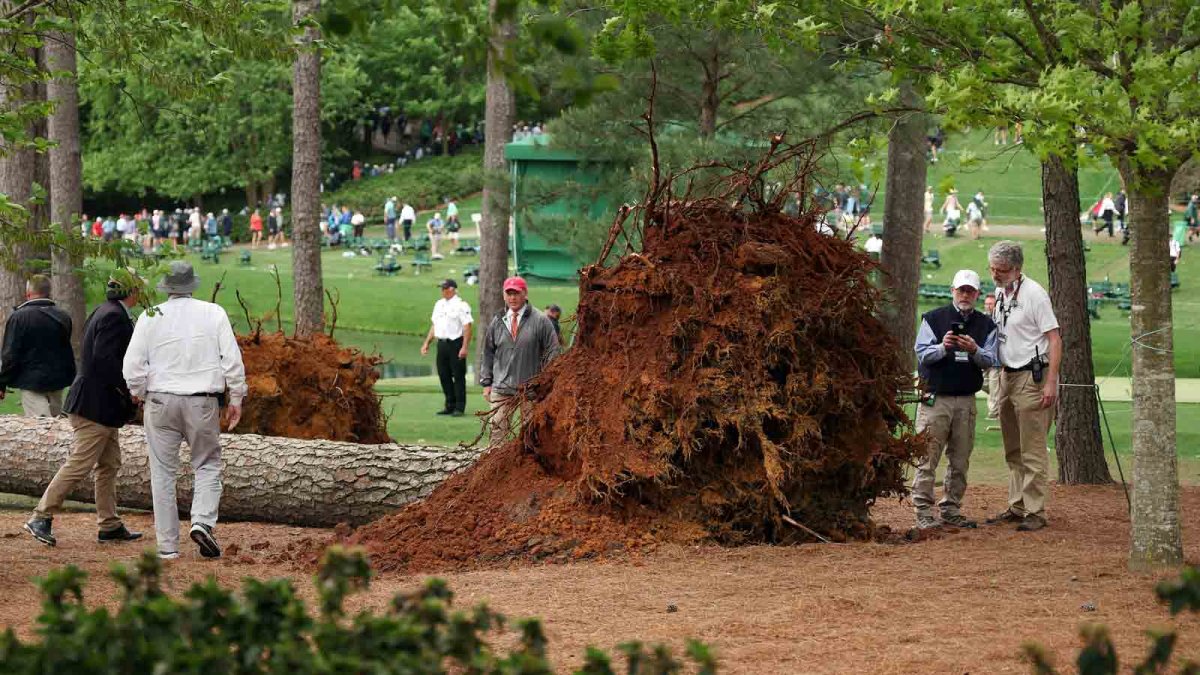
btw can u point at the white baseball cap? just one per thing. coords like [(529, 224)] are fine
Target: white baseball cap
[(965, 278)]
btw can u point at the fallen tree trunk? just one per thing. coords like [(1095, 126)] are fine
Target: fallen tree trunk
[(280, 480)]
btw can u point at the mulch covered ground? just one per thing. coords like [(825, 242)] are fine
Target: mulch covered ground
[(965, 602)]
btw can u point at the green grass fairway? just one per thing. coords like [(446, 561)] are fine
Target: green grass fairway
[(1010, 177), (399, 304)]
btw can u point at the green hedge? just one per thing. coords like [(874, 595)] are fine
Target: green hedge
[(424, 184), (268, 629)]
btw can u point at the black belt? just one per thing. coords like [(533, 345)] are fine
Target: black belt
[(450, 339), (209, 394), (1027, 366)]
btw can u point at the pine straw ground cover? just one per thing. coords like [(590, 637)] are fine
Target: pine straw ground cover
[(731, 384)]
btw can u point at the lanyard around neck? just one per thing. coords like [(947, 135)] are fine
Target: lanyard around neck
[(1007, 304)]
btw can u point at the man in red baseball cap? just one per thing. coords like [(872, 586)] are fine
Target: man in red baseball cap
[(517, 344)]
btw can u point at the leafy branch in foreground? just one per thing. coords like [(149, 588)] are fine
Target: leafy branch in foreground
[(268, 629)]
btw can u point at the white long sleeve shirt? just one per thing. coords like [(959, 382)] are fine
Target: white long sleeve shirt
[(186, 347)]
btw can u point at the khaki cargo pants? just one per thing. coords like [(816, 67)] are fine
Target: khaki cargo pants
[(950, 425), (95, 447), (42, 403), (1024, 424), (504, 418)]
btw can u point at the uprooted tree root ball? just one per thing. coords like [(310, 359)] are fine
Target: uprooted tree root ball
[(730, 383), (310, 388)]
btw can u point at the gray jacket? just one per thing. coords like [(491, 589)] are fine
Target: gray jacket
[(508, 363)]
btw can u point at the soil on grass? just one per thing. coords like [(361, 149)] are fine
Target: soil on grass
[(965, 602), (310, 388), (729, 384)]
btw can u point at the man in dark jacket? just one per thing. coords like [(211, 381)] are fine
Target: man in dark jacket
[(98, 405), (37, 357), (955, 346), (518, 343)]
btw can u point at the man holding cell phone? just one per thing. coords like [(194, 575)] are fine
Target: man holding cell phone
[(955, 347)]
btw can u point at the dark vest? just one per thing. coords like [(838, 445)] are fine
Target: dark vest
[(949, 377)]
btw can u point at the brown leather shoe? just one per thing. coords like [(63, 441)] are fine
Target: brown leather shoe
[(1032, 523), (1007, 516)]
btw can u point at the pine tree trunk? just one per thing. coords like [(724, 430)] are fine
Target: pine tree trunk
[(251, 193), (306, 179), (1156, 538), (1077, 441), (66, 180), (500, 114), (710, 98), (17, 167), (903, 216), (280, 480)]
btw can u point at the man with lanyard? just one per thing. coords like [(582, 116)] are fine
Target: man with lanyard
[(451, 327), (955, 346), (1030, 353)]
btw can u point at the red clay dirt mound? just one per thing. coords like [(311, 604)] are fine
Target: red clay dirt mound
[(310, 388), (730, 377)]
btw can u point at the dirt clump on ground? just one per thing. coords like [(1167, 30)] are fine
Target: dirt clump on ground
[(310, 388), (730, 383)]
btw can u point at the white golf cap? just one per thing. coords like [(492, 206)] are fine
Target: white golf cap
[(965, 278)]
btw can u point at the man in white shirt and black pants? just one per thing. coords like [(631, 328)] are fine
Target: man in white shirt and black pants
[(1030, 353), (182, 359), (451, 327)]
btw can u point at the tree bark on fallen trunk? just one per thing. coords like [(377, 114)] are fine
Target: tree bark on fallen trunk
[(278, 480)]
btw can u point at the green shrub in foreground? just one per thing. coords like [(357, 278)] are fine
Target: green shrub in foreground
[(268, 629)]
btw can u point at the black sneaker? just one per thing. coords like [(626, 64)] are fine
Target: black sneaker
[(457, 413), (444, 412), (203, 536), (40, 528), (121, 533)]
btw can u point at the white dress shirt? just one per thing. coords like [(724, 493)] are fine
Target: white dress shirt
[(450, 318), (186, 347)]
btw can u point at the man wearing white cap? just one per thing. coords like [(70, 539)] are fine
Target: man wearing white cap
[(955, 346), (182, 359)]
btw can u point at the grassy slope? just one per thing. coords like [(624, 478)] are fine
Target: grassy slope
[(1009, 176)]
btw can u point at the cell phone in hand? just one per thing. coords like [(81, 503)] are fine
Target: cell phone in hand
[(958, 328)]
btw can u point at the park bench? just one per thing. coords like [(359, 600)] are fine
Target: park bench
[(387, 265), (467, 247), (211, 252), (245, 258), (421, 260), (1093, 307), (420, 243), (1100, 288), (932, 258)]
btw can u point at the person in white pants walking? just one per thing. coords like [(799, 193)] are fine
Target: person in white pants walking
[(182, 360)]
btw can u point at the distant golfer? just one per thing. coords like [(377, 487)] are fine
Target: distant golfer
[(452, 325), (517, 345), (181, 360)]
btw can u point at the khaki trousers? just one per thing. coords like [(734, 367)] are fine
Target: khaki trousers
[(169, 420), (95, 447), (504, 419), (991, 380), (950, 427), (41, 403), (1024, 424)]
